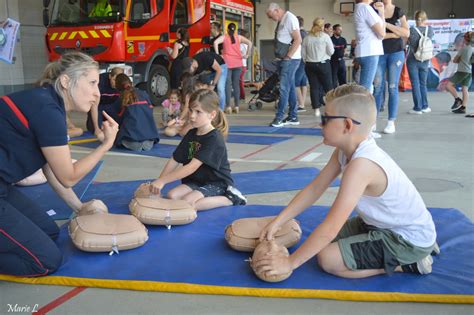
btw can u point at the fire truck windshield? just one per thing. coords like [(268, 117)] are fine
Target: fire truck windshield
[(83, 12)]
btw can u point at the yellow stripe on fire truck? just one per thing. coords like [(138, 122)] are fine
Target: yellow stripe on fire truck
[(83, 34)]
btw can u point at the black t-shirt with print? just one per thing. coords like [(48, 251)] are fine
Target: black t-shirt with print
[(205, 61), (210, 149), (393, 45)]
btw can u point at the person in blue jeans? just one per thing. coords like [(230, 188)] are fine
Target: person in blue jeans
[(33, 135), (287, 32), (391, 62), (370, 30), (418, 70)]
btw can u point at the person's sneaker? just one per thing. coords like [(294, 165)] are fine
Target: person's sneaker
[(228, 110), (375, 135), (276, 123), (460, 110), (436, 250), (301, 109), (422, 267), (426, 110), (236, 109), (317, 112), (415, 112), (234, 195), (390, 128), (457, 103), (291, 121)]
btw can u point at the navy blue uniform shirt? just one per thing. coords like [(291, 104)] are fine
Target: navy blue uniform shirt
[(20, 146), (339, 47), (137, 122)]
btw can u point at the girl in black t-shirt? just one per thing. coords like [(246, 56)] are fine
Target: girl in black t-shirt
[(200, 160)]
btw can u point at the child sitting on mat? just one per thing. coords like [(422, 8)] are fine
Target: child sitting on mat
[(180, 125), (171, 107), (200, 160), (393, 230), (137, 126)]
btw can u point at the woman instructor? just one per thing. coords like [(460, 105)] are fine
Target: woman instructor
[(33, 135)]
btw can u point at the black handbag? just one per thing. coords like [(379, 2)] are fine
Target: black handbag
[(281, 49)]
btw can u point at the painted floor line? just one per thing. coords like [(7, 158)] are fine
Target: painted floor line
[(310, 157)]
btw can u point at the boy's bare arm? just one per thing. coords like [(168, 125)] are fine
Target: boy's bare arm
[(357, 176), (307, 196)]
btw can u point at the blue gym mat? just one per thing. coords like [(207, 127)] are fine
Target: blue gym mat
[(244, 139), (273, 130), (159, 149), (195, 259), (45, 197), (231, 138), (247, 182)]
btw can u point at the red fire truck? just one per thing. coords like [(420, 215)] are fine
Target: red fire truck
[(137, 33)]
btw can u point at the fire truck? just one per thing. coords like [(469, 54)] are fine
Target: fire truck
[(137, 33)]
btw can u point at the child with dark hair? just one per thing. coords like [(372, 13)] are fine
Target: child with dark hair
[(137, 127), (200, 160)]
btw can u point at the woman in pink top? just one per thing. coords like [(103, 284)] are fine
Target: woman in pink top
[(233, 59)]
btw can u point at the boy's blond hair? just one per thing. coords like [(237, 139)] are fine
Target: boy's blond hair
[(356, 102)]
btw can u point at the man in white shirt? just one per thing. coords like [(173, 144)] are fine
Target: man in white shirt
[(286, 33)]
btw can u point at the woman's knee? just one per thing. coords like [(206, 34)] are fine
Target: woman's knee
[(54, 260)]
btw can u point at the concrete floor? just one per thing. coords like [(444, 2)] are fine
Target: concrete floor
[(436, 151)]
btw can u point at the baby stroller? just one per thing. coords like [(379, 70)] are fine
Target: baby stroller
[(268, 92)]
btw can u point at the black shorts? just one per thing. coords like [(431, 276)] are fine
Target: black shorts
[(209, 189)]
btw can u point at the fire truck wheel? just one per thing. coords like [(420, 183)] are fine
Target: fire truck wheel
[(158, 84)]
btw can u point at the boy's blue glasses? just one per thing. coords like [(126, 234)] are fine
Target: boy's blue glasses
[(326, 118)]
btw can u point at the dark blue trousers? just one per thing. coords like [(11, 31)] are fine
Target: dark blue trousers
[(26, 236)]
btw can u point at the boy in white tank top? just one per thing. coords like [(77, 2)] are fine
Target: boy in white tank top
[(392, 231)]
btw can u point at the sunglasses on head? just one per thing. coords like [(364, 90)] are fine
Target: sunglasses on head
[(326, 118)]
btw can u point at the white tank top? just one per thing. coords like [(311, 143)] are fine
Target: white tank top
[(400, 208)]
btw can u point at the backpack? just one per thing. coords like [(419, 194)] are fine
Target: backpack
[(425, 46)]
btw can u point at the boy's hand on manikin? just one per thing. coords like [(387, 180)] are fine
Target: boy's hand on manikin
[(156, 187), (268, 232), (273, 265)]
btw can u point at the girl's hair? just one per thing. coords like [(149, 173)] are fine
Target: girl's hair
[(318, 26), (183, 32), (74, 65), (420, 16), (209, 102), (188, 81), (231, 31), (127, 92), (174, 92)]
